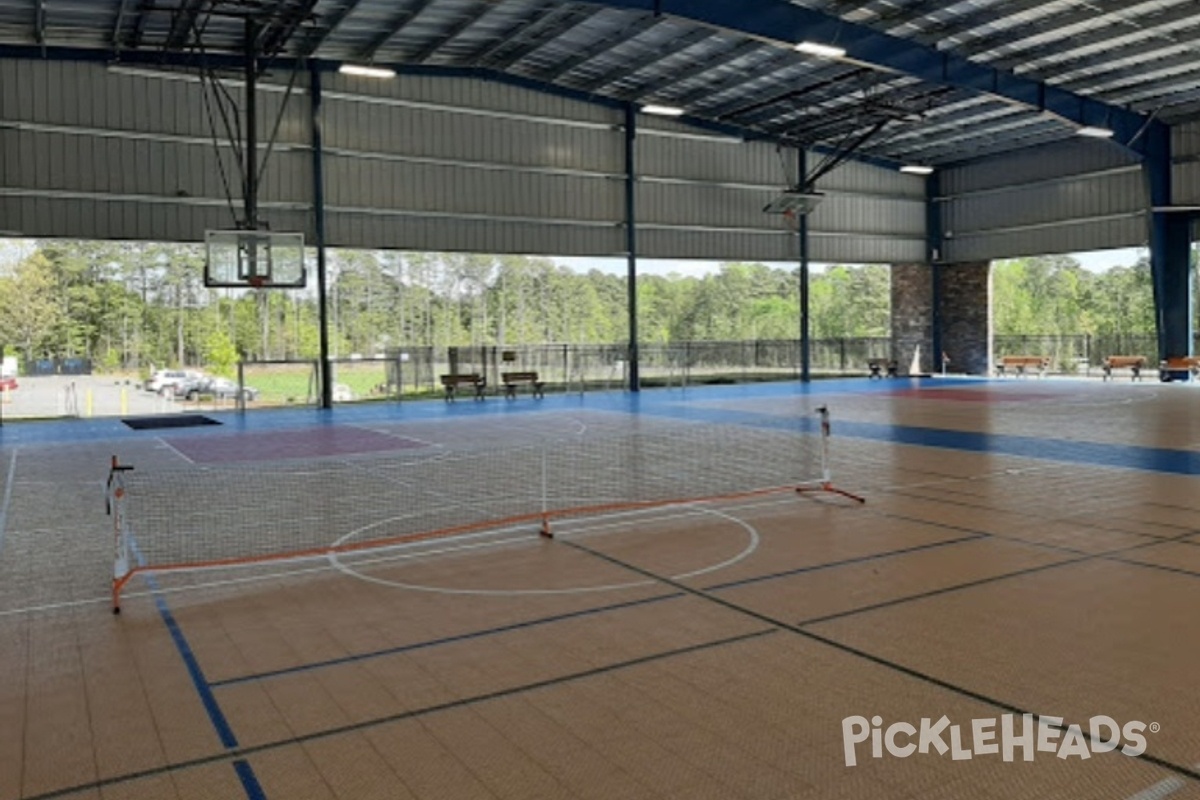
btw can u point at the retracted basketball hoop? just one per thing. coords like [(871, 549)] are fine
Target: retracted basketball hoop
[(793, 205), (254, 259)]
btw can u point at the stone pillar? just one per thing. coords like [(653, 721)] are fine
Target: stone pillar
[(965, 314), (912, 318)]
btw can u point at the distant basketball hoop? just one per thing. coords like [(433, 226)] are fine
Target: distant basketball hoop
[(254, 260), (794, 203), (792, 206)]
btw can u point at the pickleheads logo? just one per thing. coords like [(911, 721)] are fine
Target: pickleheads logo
[(1002, 736)]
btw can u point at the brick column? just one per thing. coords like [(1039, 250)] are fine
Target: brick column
[(912, 318), (965, 312)]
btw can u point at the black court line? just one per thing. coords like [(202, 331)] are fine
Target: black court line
[(241, 753), (1080, 558), (462, 637), (844, 562), (871, 657), (1034, 516)]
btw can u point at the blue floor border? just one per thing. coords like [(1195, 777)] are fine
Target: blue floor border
[(680, 404)]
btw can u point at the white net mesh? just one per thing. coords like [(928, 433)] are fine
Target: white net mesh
[(207, 516)]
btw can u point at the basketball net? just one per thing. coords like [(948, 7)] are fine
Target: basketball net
[(791, 220)]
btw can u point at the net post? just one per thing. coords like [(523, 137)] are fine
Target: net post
[(826, 482), (545, 530), (241, 390), (122, 566)]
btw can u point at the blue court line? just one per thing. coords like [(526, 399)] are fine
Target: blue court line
[(8, 487), (245, 773), (1150, 459), (216, 716)]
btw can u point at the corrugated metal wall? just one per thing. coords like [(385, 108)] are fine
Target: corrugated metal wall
[(92, 152), (1185, 170), (1068, 197), (419, 163), (701, 196)]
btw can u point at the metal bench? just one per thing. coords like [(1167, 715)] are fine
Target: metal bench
[(451, 383), (513, 379)]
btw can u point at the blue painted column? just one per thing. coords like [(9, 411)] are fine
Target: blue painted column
[(318, 175), (1170, 251), (631, 243)]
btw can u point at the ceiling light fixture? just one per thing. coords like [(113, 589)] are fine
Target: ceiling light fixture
[(1095, 132), (363, 71), (917, 169), (662, 111), (823, 50)]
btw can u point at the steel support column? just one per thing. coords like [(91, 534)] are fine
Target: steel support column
[(1170, 251), (631, 242), (318, 176), (933, 237), (802, 240)]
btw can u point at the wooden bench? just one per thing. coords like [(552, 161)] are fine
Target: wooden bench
[(877, 365), (1020, 365), (451, 383), (1132, 363), (513, 379), (1180, 368)]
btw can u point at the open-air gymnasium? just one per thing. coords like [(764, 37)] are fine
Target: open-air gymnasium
[(955, 573)]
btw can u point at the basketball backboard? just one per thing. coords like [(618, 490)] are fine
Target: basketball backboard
[(254, 259), (795, 202)]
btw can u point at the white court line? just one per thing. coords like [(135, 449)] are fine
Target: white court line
[(8, 485), (1164, 788), (174, 449), (524, 538), (751, 546)]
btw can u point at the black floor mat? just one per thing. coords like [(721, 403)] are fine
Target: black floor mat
[(169, 421)]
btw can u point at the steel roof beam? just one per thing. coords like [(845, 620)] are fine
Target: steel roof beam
[(649, 59), (139, 24), (285, 23), (701, 67), (39, 22), (397, 24), (1077, 41), (118, 24), (965, 23), (1101, 64), (313, 43), (780, 61), (183, 21), (747, 110), (453, 32), (548, 17), (784, 23), (633, 29)]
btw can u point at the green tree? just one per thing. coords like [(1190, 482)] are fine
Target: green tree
[(31, 310)]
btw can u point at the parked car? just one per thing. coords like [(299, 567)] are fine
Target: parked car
[(222, 388), (8, 384), (164, 380), (217, 388)]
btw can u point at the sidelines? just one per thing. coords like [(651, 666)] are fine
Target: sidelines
[(203, 689), (777, 624), (8, 487), (241, 753)]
